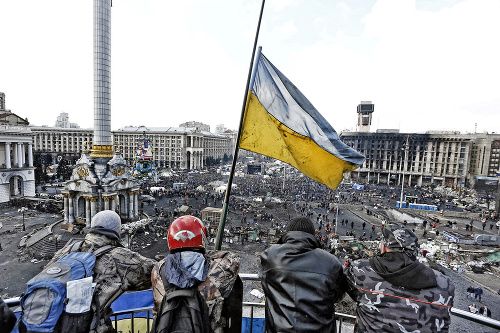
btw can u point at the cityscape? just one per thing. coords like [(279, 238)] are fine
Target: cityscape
[(55, 181)]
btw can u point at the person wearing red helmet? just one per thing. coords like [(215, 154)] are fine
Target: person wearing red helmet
[(187, 233), (189, 265)]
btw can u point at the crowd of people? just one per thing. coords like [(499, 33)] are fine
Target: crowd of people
[(391, 289), (301, 281)]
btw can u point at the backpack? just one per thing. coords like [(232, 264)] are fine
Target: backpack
[(181, 311), (46, 300)]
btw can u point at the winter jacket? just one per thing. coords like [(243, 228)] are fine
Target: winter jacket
[(396, 293), (221, 274), (115, 272), (302, 283), (7, 318), (488, 312)]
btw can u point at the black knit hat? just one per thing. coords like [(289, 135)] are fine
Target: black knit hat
[(301, 224)]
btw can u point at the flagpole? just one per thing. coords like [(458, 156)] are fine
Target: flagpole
[(220, 231)]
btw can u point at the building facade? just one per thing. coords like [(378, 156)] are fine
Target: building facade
[(442, 158), (175, 147), (197, 125), (435, 157), (17, 174)]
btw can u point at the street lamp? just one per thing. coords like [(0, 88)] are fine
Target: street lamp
[(22, 210), (405, 147), (339, 188)]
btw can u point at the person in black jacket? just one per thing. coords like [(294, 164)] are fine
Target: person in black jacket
[(485, 311), (301, 282), (7, 318)]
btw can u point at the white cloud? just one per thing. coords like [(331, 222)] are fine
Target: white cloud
[(287, 30)]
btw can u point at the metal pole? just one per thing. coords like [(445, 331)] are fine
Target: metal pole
[(337, 213), (284, 176), (220, 231), (336, 218), (403, 168)]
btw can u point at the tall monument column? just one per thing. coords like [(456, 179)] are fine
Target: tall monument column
[(102, 144), (101, 174)]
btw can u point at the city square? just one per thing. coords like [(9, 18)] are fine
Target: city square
[(247, 185)]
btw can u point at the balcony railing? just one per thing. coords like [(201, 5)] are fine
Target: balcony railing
[(342, 318)]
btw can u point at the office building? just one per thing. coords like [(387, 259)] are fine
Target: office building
[(434, 157)]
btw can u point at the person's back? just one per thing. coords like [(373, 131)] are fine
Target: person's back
[(115, 271), (397, 293), (187, 267), (7, 318), (301, 282)]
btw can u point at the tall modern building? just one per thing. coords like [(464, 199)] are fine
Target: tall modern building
[(197, 125), (63, 121), (365, 110), (101, 180)]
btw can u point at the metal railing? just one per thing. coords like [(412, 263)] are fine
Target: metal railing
[(132, 312), (341, 317)]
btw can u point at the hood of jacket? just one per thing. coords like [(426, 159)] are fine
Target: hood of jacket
[(99, 240), (185, 269), (402, 271), (302, 283), (300, 240)]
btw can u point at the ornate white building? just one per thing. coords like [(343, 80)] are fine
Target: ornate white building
[(17, 174)]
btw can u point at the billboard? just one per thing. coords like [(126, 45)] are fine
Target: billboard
[(485, 185), (253, 169)]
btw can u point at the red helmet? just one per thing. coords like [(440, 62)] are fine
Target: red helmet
[(187, 232)]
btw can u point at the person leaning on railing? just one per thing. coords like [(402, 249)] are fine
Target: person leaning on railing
[(395, 292), (7, 318), (116, 271), (301, 282), (188, 266)]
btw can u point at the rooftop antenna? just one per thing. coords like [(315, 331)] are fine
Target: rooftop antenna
[(475, 128)]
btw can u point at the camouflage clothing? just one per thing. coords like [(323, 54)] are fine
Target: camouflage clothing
[(418, 299), (115, 272), (400, 239), (222, 273)]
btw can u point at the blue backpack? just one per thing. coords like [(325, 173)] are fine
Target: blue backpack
[(44, 303)]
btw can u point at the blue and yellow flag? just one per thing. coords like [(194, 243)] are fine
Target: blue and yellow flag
[(281, 123)]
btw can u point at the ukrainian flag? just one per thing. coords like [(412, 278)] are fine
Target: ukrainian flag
[(281, 123)]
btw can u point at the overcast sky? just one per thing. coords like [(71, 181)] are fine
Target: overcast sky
[(425, 64)]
